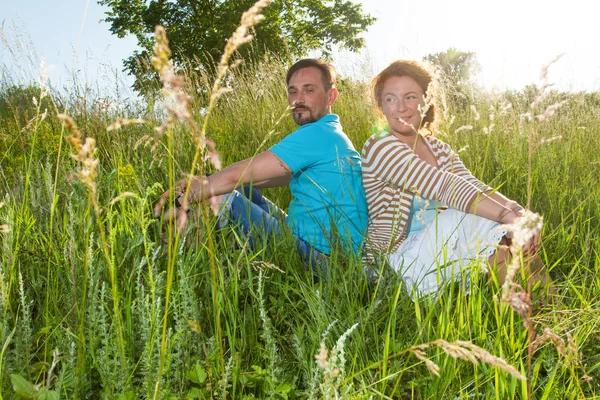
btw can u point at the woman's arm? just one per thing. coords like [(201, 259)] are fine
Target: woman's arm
[(395, 163), (392, 161), (492, 206), (458, 168), (505, 217)]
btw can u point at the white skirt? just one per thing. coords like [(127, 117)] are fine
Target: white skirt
[(443, 250)]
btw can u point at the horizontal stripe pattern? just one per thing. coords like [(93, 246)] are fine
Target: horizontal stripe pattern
[(393, 174)]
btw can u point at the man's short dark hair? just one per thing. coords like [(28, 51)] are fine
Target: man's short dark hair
[(328, 73)]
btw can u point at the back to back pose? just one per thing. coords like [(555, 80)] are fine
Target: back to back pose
[(428, 215)]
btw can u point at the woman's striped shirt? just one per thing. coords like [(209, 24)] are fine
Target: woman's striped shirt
[(393, 174)]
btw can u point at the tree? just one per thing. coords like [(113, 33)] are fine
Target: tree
[(199, 28), (460, 66), (458, 70)]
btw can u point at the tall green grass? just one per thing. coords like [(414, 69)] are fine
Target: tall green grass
[(83, 292)]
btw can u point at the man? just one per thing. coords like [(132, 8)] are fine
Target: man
[(317, 161)]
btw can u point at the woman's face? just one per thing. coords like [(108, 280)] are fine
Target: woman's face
[(402, 101)]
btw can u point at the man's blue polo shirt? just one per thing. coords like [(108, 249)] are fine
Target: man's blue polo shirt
[(328, 197)]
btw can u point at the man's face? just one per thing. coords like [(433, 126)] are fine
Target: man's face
[(307, 96)]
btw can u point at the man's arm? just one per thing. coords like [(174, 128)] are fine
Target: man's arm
[(272, 183), (264, 170)]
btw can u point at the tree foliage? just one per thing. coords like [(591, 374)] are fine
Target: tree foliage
[(458, 66), (200, 28), (457, 70)]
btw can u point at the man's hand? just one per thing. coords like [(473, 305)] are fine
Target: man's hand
[(182, 199), (264, 170)]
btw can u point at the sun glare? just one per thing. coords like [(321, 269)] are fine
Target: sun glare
[(513, 39)]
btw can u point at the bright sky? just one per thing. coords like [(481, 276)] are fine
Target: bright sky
[(513, 39)]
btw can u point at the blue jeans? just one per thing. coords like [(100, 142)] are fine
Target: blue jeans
[(256, 217)]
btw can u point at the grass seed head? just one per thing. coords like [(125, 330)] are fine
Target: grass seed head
[(263, 265), (520, 301), (550, 140), (321, 357), (464, 128), (85, 152), (120, 122), (43, 80), (522, 230), (122, 196), (475, 112), (558, 342), (471, 352), (420, 354), (550, 110)]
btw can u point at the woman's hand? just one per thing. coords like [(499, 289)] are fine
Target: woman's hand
[(508, 216), (515, 207), (533, 245), (514, 217)]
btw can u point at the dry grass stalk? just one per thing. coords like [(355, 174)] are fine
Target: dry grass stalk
[(475, 112), (520, 301), (321, 357), (43, 81), (558, 342), (545, 84), (490, 359), (550, 110), (85, 153), (176, 101), (3, 228), (568, 349), (549, 140), (263, 265), (522, 230), (122, 196), (463, 128), (465, 351), (173, 84), (144, 140), (120, 122), (250, 18), (420, 354)]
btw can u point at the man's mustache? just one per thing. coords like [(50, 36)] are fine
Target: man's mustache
[(300, 108)]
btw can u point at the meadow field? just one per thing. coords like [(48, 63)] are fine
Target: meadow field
[(100, 299)]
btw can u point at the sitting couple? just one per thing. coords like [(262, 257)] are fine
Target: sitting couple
[(424, 207)]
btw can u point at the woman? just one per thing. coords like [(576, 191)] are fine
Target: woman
[(427, 213)]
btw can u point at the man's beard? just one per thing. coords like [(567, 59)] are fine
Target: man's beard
[(305, 118)]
